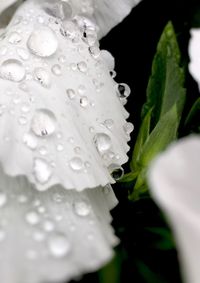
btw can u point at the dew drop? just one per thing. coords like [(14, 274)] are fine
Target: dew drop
[(94, 51), (76, 164), (59, 245), (71, 93), (14, 38), (42, 170), (123, 90), (60, 147), (32, 218), (22, 120), (56, 70), (82, 208), (84, 101), (128, 128), (43, 42), (48, 226), (116, 171), (43, 123), (82, 66), (38, 236), (12, 70), (3, 199), (42, 76), (102, 142), (43, 150), (30, 140), (109, 123)]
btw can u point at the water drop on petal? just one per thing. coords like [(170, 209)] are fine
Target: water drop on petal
[(12, 70), (30, 140), (76, 164), (56, 70), (123, 90), (43, 42), (116, 171), (82, 208), (58, 245), (42, 170), (42, 76), (43, 123), (102, 142), (32, 218)]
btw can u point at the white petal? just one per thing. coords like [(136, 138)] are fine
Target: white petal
[(62, 120), (175, 184), (110, 13), (194, 53), (52, 236)]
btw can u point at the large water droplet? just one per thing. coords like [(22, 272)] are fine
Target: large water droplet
[(43, 42), (42, 76), (12, 70), (3, 199), (43, 123), (59, 245), (42, 170), (76, 164), (102, 142), (82, 208)]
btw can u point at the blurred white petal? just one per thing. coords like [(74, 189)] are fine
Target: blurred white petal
[(175, 185), (194, 53)]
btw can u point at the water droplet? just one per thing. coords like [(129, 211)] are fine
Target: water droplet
[(123, 90), (14, 38), (41, 209), (94, 51), (56, 70), (43, 150), (109, 123), (30, 140), (128, 128), (38, 236), (48, 226), (116, 171), (43, 123), (22, 199), (59, 245), (42, 76), (82, 208), (58, 197), (113, 74), (22, 120), (32, 218), (3, 199), (12, 70), (82, 66), (76, 164), (81, 89), (84, 101), (43, 42), (102, 142), (25, 108), (60, 147), (71, 93), (42, 170)]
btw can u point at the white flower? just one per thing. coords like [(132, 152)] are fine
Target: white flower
[(175, 184), (194, 46), (63, 139)]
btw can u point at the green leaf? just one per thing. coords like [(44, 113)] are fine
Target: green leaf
[(165, 87), (194, 110), (165, 241), (129, 177), (162, 135), (141, 139)]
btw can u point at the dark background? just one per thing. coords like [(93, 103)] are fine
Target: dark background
[(133, 44)]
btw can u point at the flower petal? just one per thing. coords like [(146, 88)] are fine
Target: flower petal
[(62, 116), (55, 235), (174, 180), (194, 45), (109, 13)]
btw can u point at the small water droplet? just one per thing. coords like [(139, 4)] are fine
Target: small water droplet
[(82, 208), (109, 123), (43, 123), (25, 108), (38, 236), (56, 70), (22, 199), (12, 70), (30, 140), (48, 226), (3, 199), (43, 42), (123, 90), (59, 245), (116, 171), (14, 38), (94, 51), (103, 142), (43, 150), (128, 128), (84, 101), (42, 76), (82, 66), (81, 89), (58, 197), (42, 170), (60, 147), (22, 120), (76, 164), (71, 93), (32, 218)]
